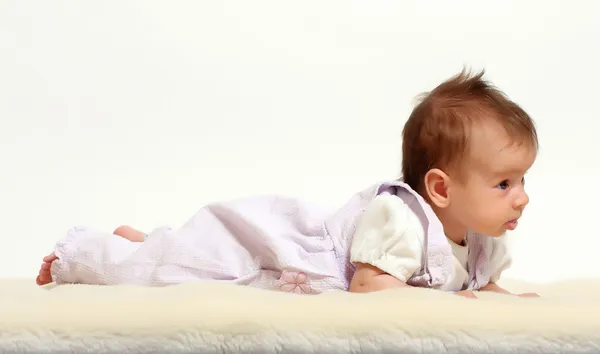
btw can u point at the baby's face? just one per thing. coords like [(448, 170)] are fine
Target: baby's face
[(492, 198)]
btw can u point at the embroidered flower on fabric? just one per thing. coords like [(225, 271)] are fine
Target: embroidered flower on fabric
[(295, 282)]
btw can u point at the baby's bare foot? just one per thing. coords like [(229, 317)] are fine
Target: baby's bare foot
[(129, 233), (44, 277)]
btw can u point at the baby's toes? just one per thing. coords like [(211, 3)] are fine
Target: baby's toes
[(44, 276), (50, 258)]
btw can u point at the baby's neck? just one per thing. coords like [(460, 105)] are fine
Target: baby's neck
[(458, 238), (454, 231)]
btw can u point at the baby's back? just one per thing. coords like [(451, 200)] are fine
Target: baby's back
[(265, 241)]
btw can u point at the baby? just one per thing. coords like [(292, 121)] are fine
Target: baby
[(466, 149)]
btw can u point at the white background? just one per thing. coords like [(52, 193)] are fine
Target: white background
[(123, 112)]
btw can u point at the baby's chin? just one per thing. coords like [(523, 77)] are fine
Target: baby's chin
[(493, 233)]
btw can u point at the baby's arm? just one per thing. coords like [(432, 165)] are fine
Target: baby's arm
[(493, 287), (500, 260), (368, 278), (386, 247)]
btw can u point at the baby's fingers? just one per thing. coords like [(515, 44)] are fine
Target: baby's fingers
[(467, 293), (529, 295)]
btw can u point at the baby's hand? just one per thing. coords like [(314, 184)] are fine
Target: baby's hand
[(528, 295), (466, 293), (44, 277)]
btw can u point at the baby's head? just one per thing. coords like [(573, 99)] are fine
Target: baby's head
[(466, 149)]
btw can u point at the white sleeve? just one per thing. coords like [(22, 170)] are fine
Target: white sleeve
[(89, 257), (389, 236), (500, 258)]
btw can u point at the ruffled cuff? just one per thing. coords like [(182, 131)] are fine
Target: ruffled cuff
[(62, 268)]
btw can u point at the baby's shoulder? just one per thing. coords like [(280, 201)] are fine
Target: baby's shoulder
[(401, 202), (393, 209), (391, 217), (389, 236)]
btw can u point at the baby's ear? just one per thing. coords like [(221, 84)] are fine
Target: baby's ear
[(436, 186)]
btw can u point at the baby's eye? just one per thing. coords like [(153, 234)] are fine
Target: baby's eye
[(523, 181), (503, 184)]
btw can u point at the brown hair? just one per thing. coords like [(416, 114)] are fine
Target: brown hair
[(437, 131)]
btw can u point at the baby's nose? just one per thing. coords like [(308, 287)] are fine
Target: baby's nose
[(521, 201)]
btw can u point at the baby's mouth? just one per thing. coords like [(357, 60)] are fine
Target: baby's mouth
[(512, 224)]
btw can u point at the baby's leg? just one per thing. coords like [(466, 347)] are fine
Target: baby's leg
[(129, 233), (124, 231)]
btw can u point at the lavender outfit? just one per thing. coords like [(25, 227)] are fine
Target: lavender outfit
[(271, 242)]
